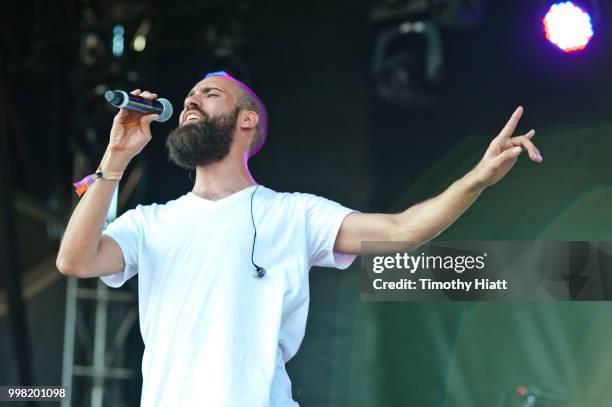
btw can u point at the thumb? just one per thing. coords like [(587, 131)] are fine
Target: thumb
[(507, 155), (122, 115), (149, 118)]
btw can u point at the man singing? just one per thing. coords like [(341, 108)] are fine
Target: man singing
[(223, 270)]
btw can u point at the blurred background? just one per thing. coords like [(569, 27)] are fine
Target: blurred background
[(375, 104)]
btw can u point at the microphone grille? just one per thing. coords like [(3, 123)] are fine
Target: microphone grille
[(167, 112)]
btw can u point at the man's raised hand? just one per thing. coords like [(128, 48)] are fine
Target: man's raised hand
[(503, 152), (131, 130)]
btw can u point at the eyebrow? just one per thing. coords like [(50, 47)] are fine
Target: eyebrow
[(205, 90)]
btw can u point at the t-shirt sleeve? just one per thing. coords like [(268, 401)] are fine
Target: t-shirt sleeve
[(323, 220), (126, 232)]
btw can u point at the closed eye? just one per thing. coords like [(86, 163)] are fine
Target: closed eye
[(211, 95)]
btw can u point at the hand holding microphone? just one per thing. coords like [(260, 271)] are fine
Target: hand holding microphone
[(140, 104), (131, 126)]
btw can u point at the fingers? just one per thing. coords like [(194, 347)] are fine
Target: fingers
[(511, 125), (145, 94), (147, 119), (148, 95), (125, 115), (507, 155), (525, 142)]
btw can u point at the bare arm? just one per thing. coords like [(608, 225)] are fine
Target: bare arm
[(84, 251), (424, 221)]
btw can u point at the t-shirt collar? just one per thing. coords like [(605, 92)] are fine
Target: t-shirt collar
[(220, 202)]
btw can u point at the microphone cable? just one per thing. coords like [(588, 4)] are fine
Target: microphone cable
[(259, 271)]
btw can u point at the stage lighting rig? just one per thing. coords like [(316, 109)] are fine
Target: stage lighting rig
[(408, 50), (407, 62)]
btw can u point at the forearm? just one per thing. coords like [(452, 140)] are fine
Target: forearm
[(424, 221), (82, 236)]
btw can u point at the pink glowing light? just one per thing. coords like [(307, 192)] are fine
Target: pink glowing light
[(568, 26)]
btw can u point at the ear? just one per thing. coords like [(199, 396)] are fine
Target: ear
[(248, 119)]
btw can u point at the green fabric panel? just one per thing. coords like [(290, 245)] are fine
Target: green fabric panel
[(471, 354)]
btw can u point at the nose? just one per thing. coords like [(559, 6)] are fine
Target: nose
[(191, 102)]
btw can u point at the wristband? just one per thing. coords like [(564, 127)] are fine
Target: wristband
[(82, 185)]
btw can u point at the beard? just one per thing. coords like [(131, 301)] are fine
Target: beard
[(202, 142)]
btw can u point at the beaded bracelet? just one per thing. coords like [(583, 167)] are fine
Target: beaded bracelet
[(82, 185)]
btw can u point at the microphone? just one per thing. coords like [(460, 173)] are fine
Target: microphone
[(139, 104), (259, 272)]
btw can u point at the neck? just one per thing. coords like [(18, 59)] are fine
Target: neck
[(223, 178)]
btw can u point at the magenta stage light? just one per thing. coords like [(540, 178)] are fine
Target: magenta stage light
[(568, 26)]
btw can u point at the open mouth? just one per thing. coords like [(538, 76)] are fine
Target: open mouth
[(192, 117)]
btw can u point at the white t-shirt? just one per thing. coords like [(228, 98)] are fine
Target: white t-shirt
[(214, 335)]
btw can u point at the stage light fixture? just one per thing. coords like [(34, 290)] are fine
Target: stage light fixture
[(407, 63), (118, 40), (140, 42), (140, 37), (408, 51)]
